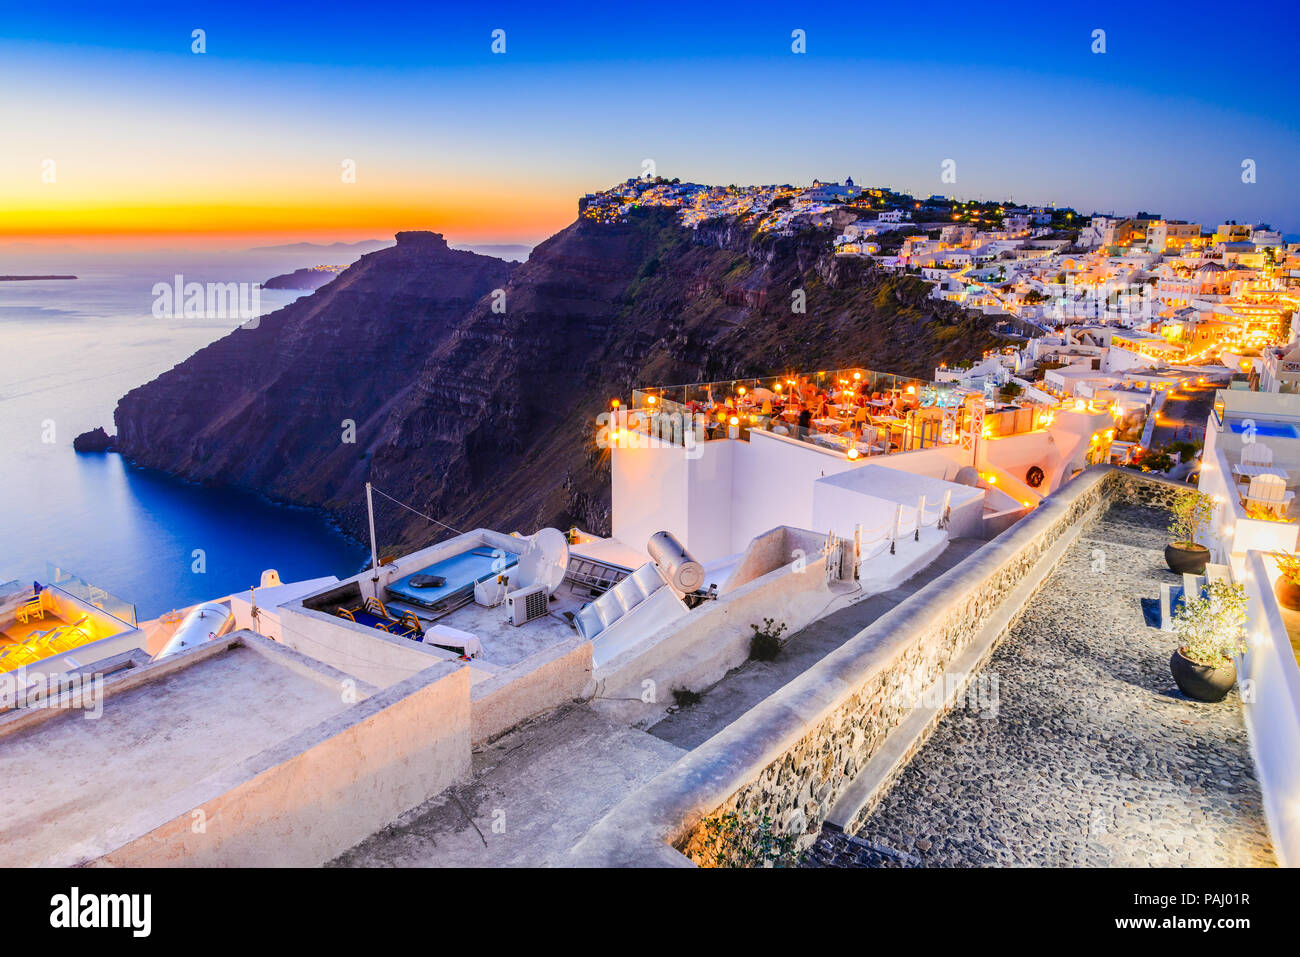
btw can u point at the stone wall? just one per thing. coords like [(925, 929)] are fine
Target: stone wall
[(796, 791), (789, 758)]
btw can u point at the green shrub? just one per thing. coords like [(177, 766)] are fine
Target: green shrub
[(766, 643)]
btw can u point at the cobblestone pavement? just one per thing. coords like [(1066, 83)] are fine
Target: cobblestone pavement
[(1093, 758)]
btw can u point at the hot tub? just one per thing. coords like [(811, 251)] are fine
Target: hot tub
[(460, 573)]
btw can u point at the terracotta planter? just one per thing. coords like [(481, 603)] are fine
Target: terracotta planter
[(1187, 558), (1287, 592), (1202, 682)]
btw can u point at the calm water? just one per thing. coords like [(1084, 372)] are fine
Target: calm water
[(68, 351)]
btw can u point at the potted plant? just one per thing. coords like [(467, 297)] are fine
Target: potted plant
[(1192, 512), (1287, 586), (1209, 627)]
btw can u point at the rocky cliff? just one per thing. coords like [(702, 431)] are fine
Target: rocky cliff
[(473, 384)]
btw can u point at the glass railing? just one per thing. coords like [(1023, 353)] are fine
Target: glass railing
[(899, 411), (763, 393), (859, 435), (78, 587)]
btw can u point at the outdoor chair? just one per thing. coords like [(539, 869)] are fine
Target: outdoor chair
[(1269, 492), (31, 608)]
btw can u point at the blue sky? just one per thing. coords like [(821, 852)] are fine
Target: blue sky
[(1161, 121)]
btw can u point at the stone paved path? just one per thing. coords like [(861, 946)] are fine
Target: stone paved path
[(1093, 758)]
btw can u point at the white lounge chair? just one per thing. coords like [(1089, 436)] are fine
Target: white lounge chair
[(1269, 492)]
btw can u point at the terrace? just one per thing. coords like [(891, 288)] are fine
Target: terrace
[(1251, 467), (856, 412), (63, 624), (237, 751), (439, 603)]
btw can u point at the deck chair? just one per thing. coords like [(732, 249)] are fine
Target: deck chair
[(13, 656), (31, 608), (1270, 492), (1256, 453), (408, 626), (70, 635)]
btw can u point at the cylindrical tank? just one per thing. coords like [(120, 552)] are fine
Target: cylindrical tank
[(675, 564), (203, 623)]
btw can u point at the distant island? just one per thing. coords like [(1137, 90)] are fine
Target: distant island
[(310, 277), (26, 278), (358, 248)]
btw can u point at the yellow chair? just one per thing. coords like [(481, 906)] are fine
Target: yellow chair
[(32, 608), (78, 632), (15, 656)]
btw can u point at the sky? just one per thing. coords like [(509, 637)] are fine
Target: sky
[(113, 130)]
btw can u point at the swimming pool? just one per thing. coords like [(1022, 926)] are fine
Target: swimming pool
[(460, 571), (1272, 430)]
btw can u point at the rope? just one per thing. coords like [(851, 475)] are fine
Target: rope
[(416, 511)]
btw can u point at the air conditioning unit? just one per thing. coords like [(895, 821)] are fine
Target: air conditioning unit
[(527, 604)]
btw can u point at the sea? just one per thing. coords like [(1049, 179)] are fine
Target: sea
[(69, 349)]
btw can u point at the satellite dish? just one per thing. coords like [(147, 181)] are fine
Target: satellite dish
[(545, 561)]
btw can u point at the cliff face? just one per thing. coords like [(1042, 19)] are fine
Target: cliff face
[(264, 408), (476, 415)]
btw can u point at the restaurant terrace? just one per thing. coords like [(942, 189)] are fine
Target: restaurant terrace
[(859, 412)]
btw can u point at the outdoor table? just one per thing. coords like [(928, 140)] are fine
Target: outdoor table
[(1253, 471)]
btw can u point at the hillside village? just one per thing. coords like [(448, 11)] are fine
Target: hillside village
[(1103, 308)]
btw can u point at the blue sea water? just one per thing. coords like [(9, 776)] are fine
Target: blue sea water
[(68, 350)]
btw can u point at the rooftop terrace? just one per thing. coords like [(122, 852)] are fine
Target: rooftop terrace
[(75, 786), (857, 412)]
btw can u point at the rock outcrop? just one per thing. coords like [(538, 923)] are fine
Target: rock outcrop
[(96, 440)]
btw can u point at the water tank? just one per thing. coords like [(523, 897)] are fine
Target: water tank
[(203, 623), (675, 564)]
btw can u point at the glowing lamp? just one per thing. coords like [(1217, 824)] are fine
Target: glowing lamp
[(911, 390), (734, 421), (741, 390), (614, 403), (857, 375), (650, 400), (853, 453)]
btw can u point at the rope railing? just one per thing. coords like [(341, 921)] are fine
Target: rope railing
[(907, 520)]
